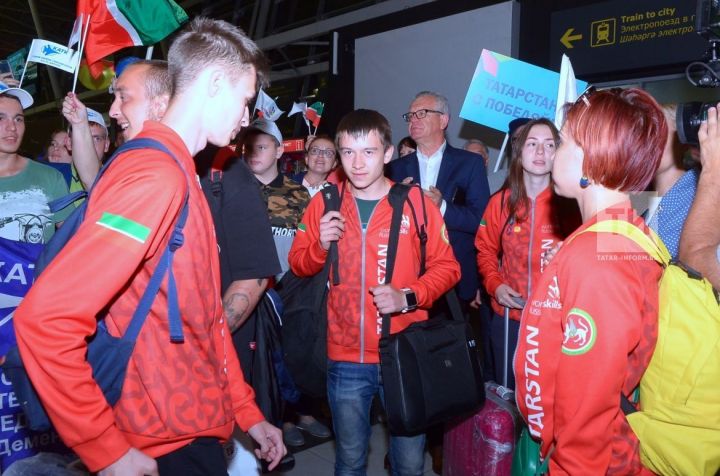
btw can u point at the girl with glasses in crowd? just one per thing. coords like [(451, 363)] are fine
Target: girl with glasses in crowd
[(589, 328), (521, 224)]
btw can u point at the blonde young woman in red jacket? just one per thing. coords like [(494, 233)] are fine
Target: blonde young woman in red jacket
[(589, 328), (522, 222)]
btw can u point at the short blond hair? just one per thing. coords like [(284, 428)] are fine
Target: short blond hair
[(205, 42)]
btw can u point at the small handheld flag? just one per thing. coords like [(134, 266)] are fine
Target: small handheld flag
[(314, 114), (301, 107), (267, 107)]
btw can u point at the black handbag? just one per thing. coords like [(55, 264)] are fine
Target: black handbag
[(431, 370)]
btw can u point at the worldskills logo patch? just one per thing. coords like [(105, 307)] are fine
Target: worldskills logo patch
[(404, 225), (580, 332)]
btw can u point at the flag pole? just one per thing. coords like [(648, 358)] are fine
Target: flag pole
[(83, 36), (500, 155), (149, 52), (22, 76)]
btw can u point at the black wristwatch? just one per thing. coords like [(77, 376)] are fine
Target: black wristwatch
[(410, 300)]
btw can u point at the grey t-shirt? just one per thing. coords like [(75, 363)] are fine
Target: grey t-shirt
[(24, 212)]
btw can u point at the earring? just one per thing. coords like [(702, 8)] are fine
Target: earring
[(584, 182)]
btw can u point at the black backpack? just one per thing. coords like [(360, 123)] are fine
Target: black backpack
[(107, 355), (304, 328)]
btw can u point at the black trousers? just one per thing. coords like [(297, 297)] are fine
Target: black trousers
[(203, 457)]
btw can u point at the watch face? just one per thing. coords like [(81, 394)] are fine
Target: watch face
[(411, 300)]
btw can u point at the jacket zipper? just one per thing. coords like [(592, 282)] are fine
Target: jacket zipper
[(363, 233), (530, 247)]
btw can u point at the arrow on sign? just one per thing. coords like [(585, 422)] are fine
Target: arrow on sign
[(568, 38)]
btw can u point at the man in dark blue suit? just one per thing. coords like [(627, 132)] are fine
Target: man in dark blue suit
[(454, 179)]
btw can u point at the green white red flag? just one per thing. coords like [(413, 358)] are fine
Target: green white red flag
[(117, 24), (314, 113)]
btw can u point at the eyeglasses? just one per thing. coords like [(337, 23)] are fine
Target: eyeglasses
[(585, 96), (419, 114), (327, 153)]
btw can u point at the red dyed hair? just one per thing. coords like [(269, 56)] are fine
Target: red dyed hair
[(622, 133)]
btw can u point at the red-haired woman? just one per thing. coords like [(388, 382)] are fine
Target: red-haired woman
[(590, 326), (521, 223)]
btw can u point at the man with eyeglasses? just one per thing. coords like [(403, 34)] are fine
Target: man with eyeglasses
[(453, 179)]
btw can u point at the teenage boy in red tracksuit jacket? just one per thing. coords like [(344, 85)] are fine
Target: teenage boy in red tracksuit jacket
[(361, 229)]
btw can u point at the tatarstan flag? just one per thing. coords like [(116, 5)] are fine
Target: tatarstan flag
[(117, 24), (314, 113)]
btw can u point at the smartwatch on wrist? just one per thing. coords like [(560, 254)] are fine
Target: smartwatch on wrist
[(410, 300)]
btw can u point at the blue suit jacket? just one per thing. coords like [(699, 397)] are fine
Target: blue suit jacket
[(464, 186)]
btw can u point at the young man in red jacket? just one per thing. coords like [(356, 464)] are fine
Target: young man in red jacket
[(178, 399), (355, 305)]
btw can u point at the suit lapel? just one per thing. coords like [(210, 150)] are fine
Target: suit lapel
[(413, 168), (446, 169)]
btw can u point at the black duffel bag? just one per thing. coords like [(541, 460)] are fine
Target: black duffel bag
[(430, 370)]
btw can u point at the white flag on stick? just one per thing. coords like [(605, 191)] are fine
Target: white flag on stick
[(267, 107), (567, 90), (53, 54), (301, 107), (298, 107), (76, 33)]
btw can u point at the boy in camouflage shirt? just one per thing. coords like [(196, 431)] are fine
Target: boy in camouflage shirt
[(286, 199), (286, 202)]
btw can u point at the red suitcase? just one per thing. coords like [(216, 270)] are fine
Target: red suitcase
[(483, 444)]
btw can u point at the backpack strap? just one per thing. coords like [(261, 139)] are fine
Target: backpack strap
[(165, 264), (65, 201), (652, 244), (398, 195), (332, 198)]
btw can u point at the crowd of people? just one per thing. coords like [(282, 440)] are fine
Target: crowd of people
[(582, 326)]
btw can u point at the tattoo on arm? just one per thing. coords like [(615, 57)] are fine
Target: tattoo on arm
[(237, 309)]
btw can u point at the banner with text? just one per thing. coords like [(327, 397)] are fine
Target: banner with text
[(503, 89), (17, 271)]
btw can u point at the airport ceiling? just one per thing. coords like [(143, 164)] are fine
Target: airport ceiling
[(307, 54), (293, 33)]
